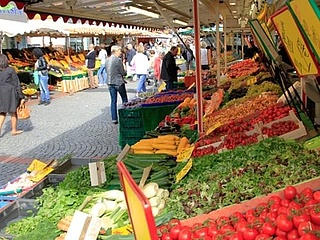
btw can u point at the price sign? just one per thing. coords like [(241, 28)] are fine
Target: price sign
[(185, 154), (184, 171), (295, 44), (142, 220), (308, 18), (126, 230), (191, 86), (214, 127)]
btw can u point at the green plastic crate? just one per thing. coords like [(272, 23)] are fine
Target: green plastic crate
[(130, 113)]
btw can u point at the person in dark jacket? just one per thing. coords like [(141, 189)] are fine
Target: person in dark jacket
[(42, 67), (187, 54), (115, 80), (169, 68), (90, 63), (11, 95)]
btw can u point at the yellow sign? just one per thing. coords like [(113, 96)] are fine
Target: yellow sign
[(126, 230), (309, 18), (294, 43), (184, 171), (185, 154), (214, 127), (38, 170), (139, 209)]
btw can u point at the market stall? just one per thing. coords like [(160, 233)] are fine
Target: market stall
[(247, 173)]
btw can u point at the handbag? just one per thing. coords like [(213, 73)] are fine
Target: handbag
[(23, 112)]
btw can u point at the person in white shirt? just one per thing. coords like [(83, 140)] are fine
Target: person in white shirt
[(204, 56), (102, 74), (140, 63)]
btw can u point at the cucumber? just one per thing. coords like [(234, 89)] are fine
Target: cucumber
[(159, 174), (132, 165), (147, 156)]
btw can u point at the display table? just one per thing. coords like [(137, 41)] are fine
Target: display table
[(133, 123), (73, 83)]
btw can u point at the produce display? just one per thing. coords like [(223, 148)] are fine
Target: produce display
[(294, 216), (219, 180)]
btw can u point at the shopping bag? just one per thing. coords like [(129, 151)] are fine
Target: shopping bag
[(23, 112), (36, 78)]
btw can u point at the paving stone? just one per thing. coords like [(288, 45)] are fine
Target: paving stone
[(79, 125)]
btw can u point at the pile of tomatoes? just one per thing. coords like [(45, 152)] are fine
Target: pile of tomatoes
[(280, 128), (296, 216)]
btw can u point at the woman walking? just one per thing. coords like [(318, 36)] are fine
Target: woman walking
[(140, 62), (10, 94)]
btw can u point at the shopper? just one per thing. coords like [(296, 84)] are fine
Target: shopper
[(129, 56), (204, 56), (10, 94), (169, 69), (102, 75), (115, 80), (42, 67), (187, 54), (157, 67), (90, 63), (141, 65)]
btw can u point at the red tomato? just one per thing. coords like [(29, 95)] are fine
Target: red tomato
[(282, 210), (241, 226), (315, 215), (307, 193), (236, 217), (262, 236), (166, 236), (262, 207), (196, 226), (290, 192), (271, 217), (250, 213), (236, 236), (268, 228), (280, 233), (316, 196), (299, 219), (185, 234), (285, 202), (163, 229), (309, 236), (305, 227), (274, 199), (213, 231), (284, 223), (226, 229), (223, 220), (293, 234), (202, 232), (250, 234), (274, 207), (311, 202), (174, 231), (173, 222)]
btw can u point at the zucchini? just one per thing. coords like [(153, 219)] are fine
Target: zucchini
[(146, 156), (159, 174), (131, 165)]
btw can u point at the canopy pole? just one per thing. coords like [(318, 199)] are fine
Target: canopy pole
[(225, 42), (1, 40), (196, 22), (242, 44), (218, 51)]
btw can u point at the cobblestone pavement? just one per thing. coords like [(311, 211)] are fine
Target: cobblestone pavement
[(78, 124)]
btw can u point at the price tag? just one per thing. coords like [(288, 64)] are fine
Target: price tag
[(214, 127), (185, 154), (126, 230), (184, 171)]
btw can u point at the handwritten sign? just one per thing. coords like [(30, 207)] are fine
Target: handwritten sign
[(294, 43), (265, 28), (214, 127), (184, 171), (308, 17), (185, 154)]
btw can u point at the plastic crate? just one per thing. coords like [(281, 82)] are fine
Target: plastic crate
[(130, 123), (125, 113), (131, 133)]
